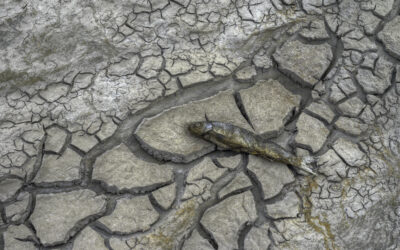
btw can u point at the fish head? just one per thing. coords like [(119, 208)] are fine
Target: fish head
[(200, 128)]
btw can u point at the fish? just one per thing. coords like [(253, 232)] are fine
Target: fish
[(230, 137)]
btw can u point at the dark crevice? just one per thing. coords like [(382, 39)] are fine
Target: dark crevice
[(135, 147), (108, 189), (235, 192), (108, 244), (104, 230), (2, 214), (31, 206), (39, 159), (347, 97), (77, 150), (242, 109), (293, 87), (180, 177), (228, 154), (25, 214), (101, 229), (181, 243), (317, 117), (290, 117), (243, 231), (155, 204), (337, 53), (32, 238), (1, 241), (281, 195), (271, 238), (207, 235), (55, 184), (218, 185), (66, 142), (392, 82), (89, 159), (258, 195), (302, 146), (311, 42), (359, 92)]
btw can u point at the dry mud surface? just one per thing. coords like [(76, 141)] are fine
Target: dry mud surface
[(95, 98)]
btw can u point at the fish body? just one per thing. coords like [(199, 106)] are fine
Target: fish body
[(238, 139)]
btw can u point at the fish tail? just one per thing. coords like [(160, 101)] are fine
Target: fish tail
[(305, 163)]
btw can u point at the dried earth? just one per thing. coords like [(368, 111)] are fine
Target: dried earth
[(96, 96)]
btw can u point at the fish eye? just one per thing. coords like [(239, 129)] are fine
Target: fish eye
[(198, 125)]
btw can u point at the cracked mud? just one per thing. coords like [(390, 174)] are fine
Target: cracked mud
[(96, 96)]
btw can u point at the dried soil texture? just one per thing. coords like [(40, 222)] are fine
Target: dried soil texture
[(96, 96)]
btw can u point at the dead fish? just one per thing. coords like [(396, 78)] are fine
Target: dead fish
[(228, 136)]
